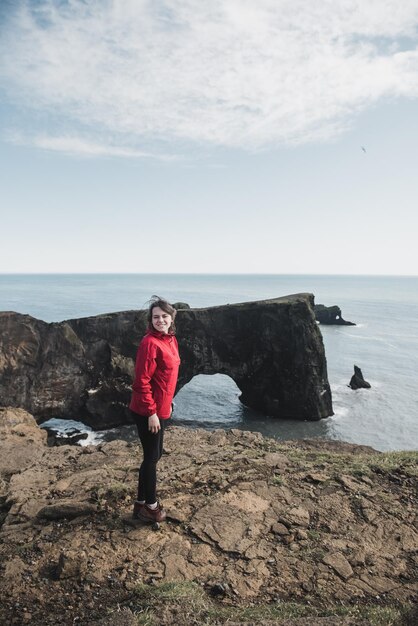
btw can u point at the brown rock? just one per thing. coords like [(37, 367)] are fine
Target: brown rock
[(358, 558), (339, 564), (233, 521), (379, 583), (349, 483), (279, 529), (68, 510), (218, 438), (316, 477), (298, 516), (177, 568), (13, 570), (301, 534), (22, 441), (368, 511), (71, 565), (275, 460)]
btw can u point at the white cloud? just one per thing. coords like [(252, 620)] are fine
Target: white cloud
[(234, 73), (81, 147)]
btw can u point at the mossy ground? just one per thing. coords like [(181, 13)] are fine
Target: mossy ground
[(188, 604)]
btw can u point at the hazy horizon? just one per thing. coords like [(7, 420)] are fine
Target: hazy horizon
[(202, 274)]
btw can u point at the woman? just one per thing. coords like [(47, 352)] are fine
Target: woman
[(156, 372)]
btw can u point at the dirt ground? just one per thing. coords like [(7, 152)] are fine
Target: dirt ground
[(259, 532)]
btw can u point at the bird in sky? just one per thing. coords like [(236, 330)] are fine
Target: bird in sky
[(364, 149)]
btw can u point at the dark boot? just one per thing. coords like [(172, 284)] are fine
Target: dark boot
[(137, 509), (152, 515)]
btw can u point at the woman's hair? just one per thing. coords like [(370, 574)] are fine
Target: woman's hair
[(166, 307)]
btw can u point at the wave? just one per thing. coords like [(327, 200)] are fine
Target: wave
[(68, 428)]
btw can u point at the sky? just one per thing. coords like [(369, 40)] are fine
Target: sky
[(268, 136)]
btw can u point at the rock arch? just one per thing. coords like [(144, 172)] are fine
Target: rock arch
[(272, 349), (83, 368)]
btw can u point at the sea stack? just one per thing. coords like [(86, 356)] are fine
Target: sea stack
[(357, 380), (330, 315)]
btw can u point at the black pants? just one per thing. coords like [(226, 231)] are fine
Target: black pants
[(152, 446)]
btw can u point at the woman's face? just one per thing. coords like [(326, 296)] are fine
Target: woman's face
[(161, 320)]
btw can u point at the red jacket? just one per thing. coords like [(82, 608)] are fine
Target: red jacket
[(156, 372)]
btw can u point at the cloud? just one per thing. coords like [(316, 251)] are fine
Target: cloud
[(230, 73), (79, 146)]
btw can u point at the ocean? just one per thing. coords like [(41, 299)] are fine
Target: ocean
[(384, 344)]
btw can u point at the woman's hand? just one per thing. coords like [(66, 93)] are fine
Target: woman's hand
[(154, 423)]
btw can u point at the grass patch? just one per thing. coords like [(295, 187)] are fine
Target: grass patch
[(359, 472), (23, 548), (180, 602), (354, 465), (112, 493), (314, 535), (187, 604), (116, 490), (284, 611), (175, 592), (407, 461), (277, 480)]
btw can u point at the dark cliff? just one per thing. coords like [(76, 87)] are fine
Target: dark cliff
[(83, 368)]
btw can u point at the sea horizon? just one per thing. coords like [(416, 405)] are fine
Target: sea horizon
[(205, 274)]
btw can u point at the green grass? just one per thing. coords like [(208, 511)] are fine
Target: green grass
[(277, 480), (375, 616), (406, 461), (356, 465), (187, 603), (314, 535), (113, 492), (176, 592), (185, 598), (23, 548)]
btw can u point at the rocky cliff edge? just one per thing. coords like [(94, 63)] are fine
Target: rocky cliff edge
[(259, 532)]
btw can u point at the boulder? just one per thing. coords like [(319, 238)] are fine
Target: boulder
[(339, 564), (22, 441), (72, 438), (66, 510)]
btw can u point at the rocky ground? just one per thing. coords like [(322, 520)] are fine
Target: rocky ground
[(259, 532)]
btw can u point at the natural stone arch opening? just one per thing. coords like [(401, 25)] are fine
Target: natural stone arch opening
[(210, 400)]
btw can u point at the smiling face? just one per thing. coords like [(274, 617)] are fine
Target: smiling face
[(161, 320)]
